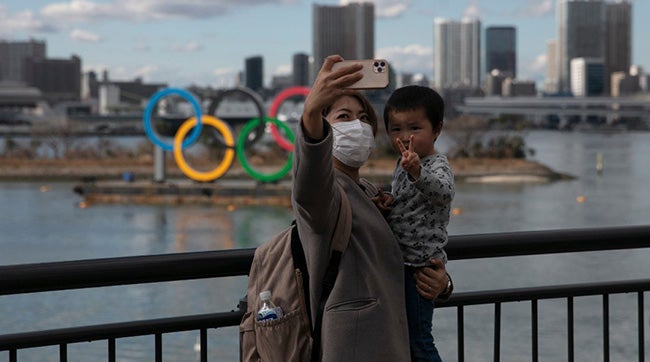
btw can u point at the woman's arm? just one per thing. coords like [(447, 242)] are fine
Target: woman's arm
[(315, 199)]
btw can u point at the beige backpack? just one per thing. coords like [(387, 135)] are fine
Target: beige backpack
[(279, 266)]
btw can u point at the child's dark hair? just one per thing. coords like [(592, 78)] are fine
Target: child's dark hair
[(412, 97)]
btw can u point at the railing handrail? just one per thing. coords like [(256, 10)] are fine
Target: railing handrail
[(547, 242), (40, 277), (119, 330), (233, 318), (90, 273)]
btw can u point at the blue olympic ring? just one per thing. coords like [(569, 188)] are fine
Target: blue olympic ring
[(196, 132)]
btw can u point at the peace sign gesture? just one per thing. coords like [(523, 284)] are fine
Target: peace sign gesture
[(410, 160)]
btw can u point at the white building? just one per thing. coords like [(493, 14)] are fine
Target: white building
[(457, 54), (587, 77)]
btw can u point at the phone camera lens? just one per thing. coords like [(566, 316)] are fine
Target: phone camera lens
[(380, 69), (376, 64), (383, 64)]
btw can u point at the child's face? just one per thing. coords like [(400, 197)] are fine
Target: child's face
[(401, 125)]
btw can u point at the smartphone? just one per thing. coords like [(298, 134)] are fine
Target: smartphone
[(375, 73)]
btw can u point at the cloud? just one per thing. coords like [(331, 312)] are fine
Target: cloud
[(539, 64), (225, 77), (81, 11), (141, 47), (145, 72), (535, 69), (22, 21), (385, 8), (538, 8), (224, 71), (472, 11), (190, 47), (284, 69), (414, 58), (84, 36), (147, 10)]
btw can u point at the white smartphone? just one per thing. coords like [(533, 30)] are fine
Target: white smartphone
[(375, 73)]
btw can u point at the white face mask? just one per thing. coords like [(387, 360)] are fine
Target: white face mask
[(353, 142)]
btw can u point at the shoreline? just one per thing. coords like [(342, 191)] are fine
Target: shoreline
[(131, 181), (377, 169)]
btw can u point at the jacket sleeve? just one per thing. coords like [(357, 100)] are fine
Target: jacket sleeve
[(314, 196), (437, 180)]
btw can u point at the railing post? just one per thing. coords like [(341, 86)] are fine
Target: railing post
[(158, 347), (461, 334), (242, 306), (63, 352), (641, 322), (534, 329), (111, 350), (204, 345), (605, 327), (497, 332), (569, 306)]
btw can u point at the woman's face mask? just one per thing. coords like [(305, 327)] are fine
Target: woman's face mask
[(353, 142)]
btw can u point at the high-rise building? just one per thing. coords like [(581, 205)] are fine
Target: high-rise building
[(457, 54), (254, 73), (13, 54), (345, 30), (470, 52), (518, 88), (624, 84), (501, 50), (494, 83), (587, 77), (551, 85), (58, 79), (446, 55), (300, 75), (581, 30), (618, 39)]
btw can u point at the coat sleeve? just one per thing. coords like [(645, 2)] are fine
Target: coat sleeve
[(314, 196)]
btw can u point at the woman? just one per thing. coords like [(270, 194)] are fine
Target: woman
[(365, 316)]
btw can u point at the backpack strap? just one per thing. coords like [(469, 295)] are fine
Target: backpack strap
[(300, 262), (339, 243)]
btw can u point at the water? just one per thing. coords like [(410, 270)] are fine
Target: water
[(43, 222)]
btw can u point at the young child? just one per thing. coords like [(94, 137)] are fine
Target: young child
[(420, 200)]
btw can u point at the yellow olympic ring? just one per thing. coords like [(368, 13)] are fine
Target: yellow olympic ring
[(228, 158)]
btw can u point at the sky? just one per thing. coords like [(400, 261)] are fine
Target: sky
[(205, 42)]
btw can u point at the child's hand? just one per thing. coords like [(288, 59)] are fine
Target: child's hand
[(383, 201), (410, 160)]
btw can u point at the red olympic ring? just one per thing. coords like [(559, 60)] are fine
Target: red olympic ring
[(273, 110)]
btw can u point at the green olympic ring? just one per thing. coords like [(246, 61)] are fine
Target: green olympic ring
[(241, 154)]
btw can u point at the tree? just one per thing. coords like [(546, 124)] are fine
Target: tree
[(467, 132)]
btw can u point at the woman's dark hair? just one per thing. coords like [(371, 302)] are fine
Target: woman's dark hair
[(365, 104), (413, 97)]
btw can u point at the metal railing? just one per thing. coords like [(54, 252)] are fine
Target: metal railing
[(32, 278)]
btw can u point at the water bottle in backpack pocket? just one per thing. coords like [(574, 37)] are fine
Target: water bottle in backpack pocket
[(268, 311)]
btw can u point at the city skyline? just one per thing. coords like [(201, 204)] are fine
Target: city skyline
[(206, 42)]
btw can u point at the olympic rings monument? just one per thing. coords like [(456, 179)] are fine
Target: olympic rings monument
[(265, 189), (190, 130)]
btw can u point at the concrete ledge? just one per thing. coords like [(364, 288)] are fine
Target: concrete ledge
[(240, 192)]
